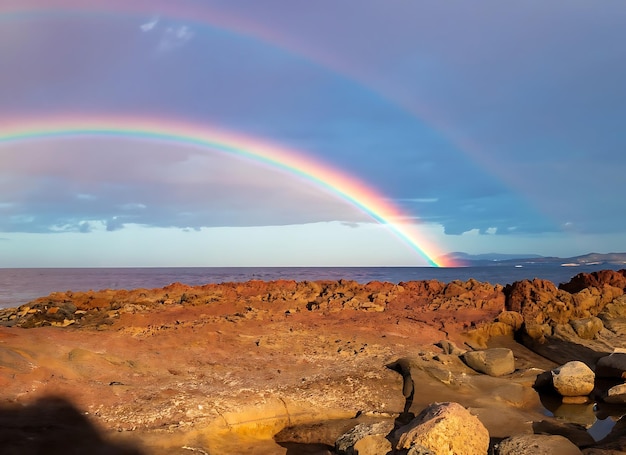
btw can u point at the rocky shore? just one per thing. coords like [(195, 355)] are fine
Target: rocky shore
[(333, 367)]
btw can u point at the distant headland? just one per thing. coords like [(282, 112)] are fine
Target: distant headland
[(498, 259)]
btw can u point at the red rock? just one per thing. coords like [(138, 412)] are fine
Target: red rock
[(595, 279)]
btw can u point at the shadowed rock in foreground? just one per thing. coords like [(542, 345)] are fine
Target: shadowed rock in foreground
[(289, 367)]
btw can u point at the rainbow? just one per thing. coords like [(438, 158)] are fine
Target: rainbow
[(296, 163), (229, 21)]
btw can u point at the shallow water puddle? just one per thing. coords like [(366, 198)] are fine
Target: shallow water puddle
[(596, 417)]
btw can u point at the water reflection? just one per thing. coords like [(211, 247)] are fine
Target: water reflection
[(597, 418)]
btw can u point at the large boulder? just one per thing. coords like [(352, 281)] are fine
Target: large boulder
[(573, 379), (494, 362), (444, 428), (537, 444)]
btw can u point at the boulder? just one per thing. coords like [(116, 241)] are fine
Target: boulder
[(616, 395), (498, 329), (511, 318), (543, 382), (365, 439), (444, 428), (587, 328), (573, 379), (612, 366), (576, 433), (537, 444), (372, 444), (494, 362), (538, 331)]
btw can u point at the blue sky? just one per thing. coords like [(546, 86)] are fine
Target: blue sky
[(497, 127)]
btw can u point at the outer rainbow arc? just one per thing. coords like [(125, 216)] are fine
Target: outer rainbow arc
[(291, 161)]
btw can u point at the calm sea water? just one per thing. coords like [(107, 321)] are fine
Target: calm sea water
[(18, 286)]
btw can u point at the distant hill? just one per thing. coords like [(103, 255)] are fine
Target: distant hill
[(496, 259)]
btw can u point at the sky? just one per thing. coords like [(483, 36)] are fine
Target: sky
[(476, 127)]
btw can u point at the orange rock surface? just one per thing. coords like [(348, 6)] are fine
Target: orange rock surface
[(279, 367), (183, 368)]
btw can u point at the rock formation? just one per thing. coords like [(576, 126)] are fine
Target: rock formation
[(289, 367)]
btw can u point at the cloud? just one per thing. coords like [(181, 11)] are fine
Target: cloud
[(536, 159), (169, 35), (82, 185), (174, 37), (114, 224), (148, 26), (85, 227)]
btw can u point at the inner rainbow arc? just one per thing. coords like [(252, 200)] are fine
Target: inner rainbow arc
[(355, 192)]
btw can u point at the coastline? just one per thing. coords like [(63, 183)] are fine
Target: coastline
[(222, 367), (22, 285)]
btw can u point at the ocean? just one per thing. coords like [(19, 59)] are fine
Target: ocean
[(19, 286)]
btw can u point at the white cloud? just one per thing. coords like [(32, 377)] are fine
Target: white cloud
[(174, 37), (133, 206), (169, 36), (148, 26)]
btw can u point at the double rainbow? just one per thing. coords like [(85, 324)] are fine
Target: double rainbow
[(355, 192)]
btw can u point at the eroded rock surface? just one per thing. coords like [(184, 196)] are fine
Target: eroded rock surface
[(226, 368)]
